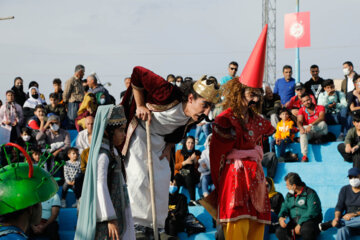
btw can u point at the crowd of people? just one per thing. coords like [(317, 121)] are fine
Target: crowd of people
[(262, 116)]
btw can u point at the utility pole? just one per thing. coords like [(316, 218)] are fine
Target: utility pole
[(297, 53), (269, 17)]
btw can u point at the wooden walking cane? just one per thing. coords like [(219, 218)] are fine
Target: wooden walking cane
[(151, 176)]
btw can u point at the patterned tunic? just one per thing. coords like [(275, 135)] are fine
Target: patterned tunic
[(236, 168)]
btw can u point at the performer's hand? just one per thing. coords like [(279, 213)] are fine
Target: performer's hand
[(282, 222), (143, 113), (113, 230), (297, 229)]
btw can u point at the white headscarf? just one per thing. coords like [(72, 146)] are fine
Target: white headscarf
[(32, 102)]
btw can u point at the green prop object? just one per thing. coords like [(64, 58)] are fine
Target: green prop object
[(23, 185)]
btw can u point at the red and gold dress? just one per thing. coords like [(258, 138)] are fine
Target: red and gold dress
[(236, 169)]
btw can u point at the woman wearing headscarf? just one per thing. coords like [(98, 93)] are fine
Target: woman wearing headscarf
[(276, 199), (186, 165), (19, 94), (104, 206), (88, 107), (31, 102)]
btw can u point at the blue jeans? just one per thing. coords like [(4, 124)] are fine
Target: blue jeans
[(280, 149), (348, 228), (206, 128), (338, 118), (205, 182)]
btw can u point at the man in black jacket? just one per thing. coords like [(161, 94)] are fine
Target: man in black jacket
[(313, 86)]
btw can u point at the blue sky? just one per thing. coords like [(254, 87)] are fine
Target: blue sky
[(189, 38)]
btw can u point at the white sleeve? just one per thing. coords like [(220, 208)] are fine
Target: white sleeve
[(104, 207)]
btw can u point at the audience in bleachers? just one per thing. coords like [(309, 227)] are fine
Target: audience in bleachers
[(285, 132), (26, 139), (40, 95), (38, 121), (31, 103), (313, 86), (276, 200), (271, 106), (301, 211), (56, 137), (11, 115), (335, 106), (83, 139), (311, 123), (55, 108), (87, 108), (186, 165), (18, 88), (347, 85), (349, 150), (204, 168), (347, 210), (285, 86), (58, 90), (71, 169), (74, 93), (295, 102), (178, 210)]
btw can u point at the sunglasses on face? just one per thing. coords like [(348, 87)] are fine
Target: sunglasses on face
[(233, 69), (351, 177)]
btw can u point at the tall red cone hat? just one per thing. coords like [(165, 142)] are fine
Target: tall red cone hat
[(253, 72)]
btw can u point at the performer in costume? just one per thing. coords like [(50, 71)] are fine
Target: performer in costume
[(104, 206), (172, 111), (23, 188), (236, 154)]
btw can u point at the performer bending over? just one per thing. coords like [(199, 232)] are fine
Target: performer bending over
[(172, 111)]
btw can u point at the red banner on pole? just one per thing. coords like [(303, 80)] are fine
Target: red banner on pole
[(297, 30)]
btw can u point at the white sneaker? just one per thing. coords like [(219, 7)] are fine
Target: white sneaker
[(74, 204), (63, 203)]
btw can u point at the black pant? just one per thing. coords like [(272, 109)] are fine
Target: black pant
[(270, 161), (350, 157), (189, 181), (309, 231), (65, 189), (173, 226)]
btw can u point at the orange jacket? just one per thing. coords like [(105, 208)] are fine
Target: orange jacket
[(284, 130), (179, 158)]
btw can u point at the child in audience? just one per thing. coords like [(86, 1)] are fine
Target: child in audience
[(71, 168), (36, 157), (276, 199), (26, 140), (55, 108), (285, 130)]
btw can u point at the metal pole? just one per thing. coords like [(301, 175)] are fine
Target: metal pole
[(297, 52)]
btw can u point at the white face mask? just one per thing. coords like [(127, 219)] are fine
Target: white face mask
[(178, 84), (102, 101), (26, 138), (54, 127), (173, 83), (346, 71), (354, 182), (291, 191)]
